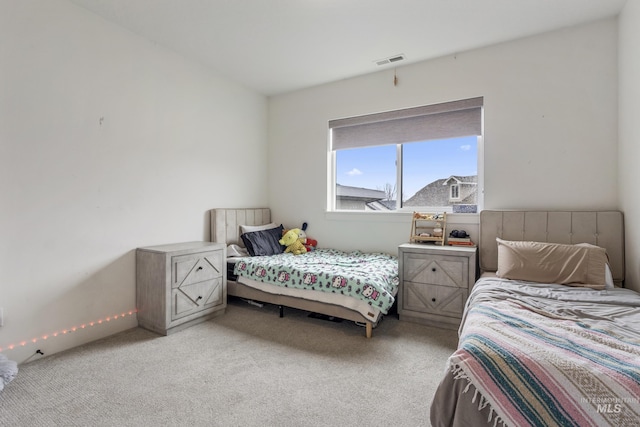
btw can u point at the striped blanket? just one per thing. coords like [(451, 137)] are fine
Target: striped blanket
[(545, 355)]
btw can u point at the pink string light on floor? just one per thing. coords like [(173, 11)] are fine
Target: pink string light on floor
[(69, 330)]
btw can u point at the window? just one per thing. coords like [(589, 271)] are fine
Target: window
[(424, 158), (455, 192)]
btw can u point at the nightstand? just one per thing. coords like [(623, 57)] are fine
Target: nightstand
[(180, 284), (435, 282)]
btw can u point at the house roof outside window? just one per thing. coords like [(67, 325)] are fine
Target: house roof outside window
[(437, 193)]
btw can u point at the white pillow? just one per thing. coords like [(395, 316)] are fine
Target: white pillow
[(608, 277), (251, 228), (234, 250)]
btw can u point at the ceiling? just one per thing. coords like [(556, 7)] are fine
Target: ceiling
[(276, 46)]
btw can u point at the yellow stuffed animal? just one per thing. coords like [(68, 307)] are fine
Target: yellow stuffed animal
[(292, 241)]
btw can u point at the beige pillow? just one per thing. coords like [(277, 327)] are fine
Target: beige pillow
[(574, 265)]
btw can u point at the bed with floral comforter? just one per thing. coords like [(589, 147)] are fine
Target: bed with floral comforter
[(369, 277)]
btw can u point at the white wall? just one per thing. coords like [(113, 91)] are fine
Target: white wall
[(108, 143), (550, 130), (629, 133)]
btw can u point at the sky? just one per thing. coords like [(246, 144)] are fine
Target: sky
[(423, 163)]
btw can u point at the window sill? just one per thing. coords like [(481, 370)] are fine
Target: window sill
[(405, 217)]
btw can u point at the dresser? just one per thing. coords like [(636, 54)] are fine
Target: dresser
[(435, 282), (180, 284)]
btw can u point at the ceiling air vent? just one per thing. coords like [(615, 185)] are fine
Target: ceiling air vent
[(391, 59)]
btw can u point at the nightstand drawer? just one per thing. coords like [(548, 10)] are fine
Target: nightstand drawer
[(440, 300), (434, 283), (442, 270), (189, 269), (200, 296), (180, 284)]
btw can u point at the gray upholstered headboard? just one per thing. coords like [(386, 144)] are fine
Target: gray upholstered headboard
[(225, 223), (601, 228)]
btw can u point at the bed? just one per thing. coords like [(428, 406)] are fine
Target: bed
[(363, 293), (534, 351)]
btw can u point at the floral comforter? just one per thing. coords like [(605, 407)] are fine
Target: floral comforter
[(371, 277)]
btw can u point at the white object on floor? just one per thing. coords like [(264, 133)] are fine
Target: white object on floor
[(8, 371)]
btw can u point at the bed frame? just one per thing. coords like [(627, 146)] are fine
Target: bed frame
[(600, 228), (225, 228)]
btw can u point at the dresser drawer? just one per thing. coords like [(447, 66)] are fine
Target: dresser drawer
[(188, 299), (441, 300), (190, 269), (442, 270), (180, 284), (434, 283)]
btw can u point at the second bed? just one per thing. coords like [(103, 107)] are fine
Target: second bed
[(355, 286)]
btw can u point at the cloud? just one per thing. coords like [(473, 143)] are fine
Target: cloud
[(465, 147), (354, 172)]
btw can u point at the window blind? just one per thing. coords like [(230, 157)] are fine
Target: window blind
[(438, 121)]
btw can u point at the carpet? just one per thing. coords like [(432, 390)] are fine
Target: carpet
[(248, 367)]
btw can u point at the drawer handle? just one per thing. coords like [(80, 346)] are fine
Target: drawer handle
[(199, 268), (433, 299), (199, 298), (433, 269)]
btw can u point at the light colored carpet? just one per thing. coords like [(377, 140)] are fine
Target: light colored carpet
[(247, 367)]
